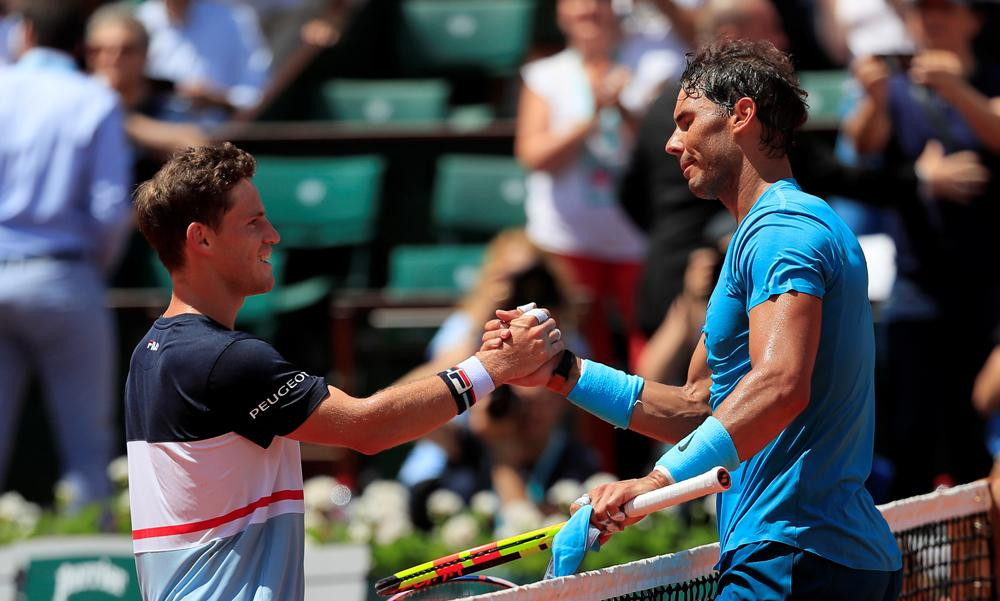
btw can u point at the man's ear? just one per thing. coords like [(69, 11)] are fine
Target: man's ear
[(744, 114), (197, 238)]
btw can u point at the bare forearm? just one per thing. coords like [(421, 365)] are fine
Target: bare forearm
[(869, 127), (548, 151), (385, 419), (665, 413), (981, 113)]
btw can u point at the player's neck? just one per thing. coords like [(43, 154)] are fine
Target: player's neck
[(211, 300), (755, 178)]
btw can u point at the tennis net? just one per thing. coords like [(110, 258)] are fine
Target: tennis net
[(946, 538)]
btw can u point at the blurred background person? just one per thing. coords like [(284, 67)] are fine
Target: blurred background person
[(213, 52), (573, 135), (944, 304), (514, 272), (116, 51), (64, 214)]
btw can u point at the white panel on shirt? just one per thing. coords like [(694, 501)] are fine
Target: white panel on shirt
[(209, 489)]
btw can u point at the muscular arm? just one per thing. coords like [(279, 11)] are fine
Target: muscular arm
[(784, 338), (385, 419), (402, 413), (667, 413)]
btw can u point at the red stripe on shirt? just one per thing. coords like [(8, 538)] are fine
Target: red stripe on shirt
[(281, 495)]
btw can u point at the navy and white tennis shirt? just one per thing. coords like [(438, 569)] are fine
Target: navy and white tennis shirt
[(215, 488)]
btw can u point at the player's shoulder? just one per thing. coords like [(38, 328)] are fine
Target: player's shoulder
[(785, 204)]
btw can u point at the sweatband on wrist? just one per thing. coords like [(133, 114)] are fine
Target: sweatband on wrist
[(608, 393), (710, 445), (468, 382), (561, 373)]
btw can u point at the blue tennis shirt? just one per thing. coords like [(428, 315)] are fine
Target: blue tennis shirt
[(806, 487)]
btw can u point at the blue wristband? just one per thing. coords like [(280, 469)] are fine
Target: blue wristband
[(606, 392), (708, 446)]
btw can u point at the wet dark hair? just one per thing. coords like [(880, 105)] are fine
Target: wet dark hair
[(727, 70)]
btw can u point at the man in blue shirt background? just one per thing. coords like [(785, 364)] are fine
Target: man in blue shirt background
[(64, 214), (786, 360)]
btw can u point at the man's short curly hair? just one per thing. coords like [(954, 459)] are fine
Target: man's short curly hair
[(193, 186), (727, 70)]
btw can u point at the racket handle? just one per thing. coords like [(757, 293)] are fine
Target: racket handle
[(714, 480)]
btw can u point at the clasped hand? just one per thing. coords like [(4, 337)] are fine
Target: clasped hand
[(522, 346)]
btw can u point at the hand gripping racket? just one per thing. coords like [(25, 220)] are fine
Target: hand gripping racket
[(508, 549)]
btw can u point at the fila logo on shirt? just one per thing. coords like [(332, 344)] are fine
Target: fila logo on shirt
[(282, 391), (153, 345)]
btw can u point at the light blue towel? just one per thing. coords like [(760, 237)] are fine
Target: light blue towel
[(571, 543)]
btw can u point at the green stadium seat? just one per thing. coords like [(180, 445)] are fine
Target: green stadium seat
[(386, 101), (448, 270), (443, 35), (478, 194), (826, 91)]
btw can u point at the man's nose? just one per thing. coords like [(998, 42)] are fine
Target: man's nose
[(675, 143)]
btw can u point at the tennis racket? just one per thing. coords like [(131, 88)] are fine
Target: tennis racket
[(504, 550), (458, 588)]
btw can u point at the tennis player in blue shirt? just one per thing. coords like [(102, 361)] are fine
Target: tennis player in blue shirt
[(786, 360)]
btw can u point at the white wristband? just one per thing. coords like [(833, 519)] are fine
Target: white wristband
[(482, 383)]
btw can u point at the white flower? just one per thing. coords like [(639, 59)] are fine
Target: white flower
[(517, 517), (459, 531), (22, 514), (359, 532), (392, 529), (67, 493), (28, 518), (11, 504), (118, 471), (314, 519), (387, 497), (564, 492), (317, 493), (598, 479), (485, 503), (443, 503)]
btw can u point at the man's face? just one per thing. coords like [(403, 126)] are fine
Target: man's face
[(703, 143), (116, 54), (244, 239)]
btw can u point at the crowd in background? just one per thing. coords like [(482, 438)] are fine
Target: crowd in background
[(614, 240)]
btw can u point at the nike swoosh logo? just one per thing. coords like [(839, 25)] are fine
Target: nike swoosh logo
[(683, 445)]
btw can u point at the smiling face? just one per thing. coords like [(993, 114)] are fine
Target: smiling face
[(704, 144), (243, 242)]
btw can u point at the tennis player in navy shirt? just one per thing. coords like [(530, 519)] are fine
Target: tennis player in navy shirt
[(786, 362), (214, 416)]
